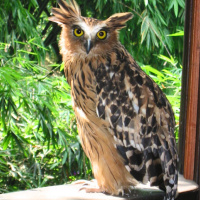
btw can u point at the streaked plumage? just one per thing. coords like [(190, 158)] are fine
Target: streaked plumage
[(125, 123)]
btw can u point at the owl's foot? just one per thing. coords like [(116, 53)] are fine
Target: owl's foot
[(89, 186)]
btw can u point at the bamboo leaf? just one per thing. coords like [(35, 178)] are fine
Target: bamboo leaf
[(180, 33), (148, 40), (3, 113), (171, 4), (144, 28), (154, 28), (161, 17), (62, 67), (152, 70), (28, 52), (64, 158), (175, 8), (167, 59), (181, 3), (7, 140), (153, 38)]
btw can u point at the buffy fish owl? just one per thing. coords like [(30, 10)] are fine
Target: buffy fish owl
[(125, 122)]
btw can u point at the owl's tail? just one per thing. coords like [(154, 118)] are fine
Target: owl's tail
[(171, 187), (161, 167)]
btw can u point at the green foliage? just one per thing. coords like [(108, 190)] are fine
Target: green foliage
[(38, 135), (39, 145), (18, 24)]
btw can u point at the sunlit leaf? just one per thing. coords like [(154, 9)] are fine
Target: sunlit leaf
[(180, 33), (62, 66), (152, 70), (167, 59), (28, 52), (7, 140)]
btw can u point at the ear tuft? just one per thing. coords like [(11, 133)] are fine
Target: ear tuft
[(118, 20), (71, 8), (67, 13)]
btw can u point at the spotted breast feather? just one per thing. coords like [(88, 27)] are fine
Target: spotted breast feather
[(141, 120)]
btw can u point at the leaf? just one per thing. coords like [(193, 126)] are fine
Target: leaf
[(54, 165), (168, 40), (19, 143), (19, 42), (7, 140), (181, 3), (146, 2), (34, 2), (180, 33), (144, 28), (62, 66), (153, 37), (154, 28), (28, 52), (154, 3), (70, 158), (38, 45), (160, 17), (176, 8), (19, 15), (3, 113), (64, 157), (10, 100), (171, 4), (148, 41), (167, 59), (152, 70)]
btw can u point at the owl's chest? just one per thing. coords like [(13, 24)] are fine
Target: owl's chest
[(83, 89)]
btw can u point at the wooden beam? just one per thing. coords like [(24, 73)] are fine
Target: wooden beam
[(193, 88), (186, 189), (184, 84)]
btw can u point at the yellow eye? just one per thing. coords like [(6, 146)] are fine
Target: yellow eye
[(101, 34), (78, 32)]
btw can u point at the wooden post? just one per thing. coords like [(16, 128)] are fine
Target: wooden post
[(191, 88)]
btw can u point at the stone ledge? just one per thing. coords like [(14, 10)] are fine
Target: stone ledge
[(71, 192)]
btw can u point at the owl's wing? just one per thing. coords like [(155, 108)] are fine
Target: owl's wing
[(141, 121)]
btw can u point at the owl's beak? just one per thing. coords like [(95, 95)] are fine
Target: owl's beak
[(88, 45)]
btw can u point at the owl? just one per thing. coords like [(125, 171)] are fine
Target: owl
[(125, 122)]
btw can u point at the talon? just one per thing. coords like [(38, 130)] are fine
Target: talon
[(88, 186)]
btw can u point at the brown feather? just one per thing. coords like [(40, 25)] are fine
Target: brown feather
[(97, 142), (118, 20), (68, 14)]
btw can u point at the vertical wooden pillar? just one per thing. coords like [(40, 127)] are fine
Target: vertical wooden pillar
[(190, 102), (184, 90), (193, 88)]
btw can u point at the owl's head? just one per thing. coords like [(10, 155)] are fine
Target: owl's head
[(87, 36)]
